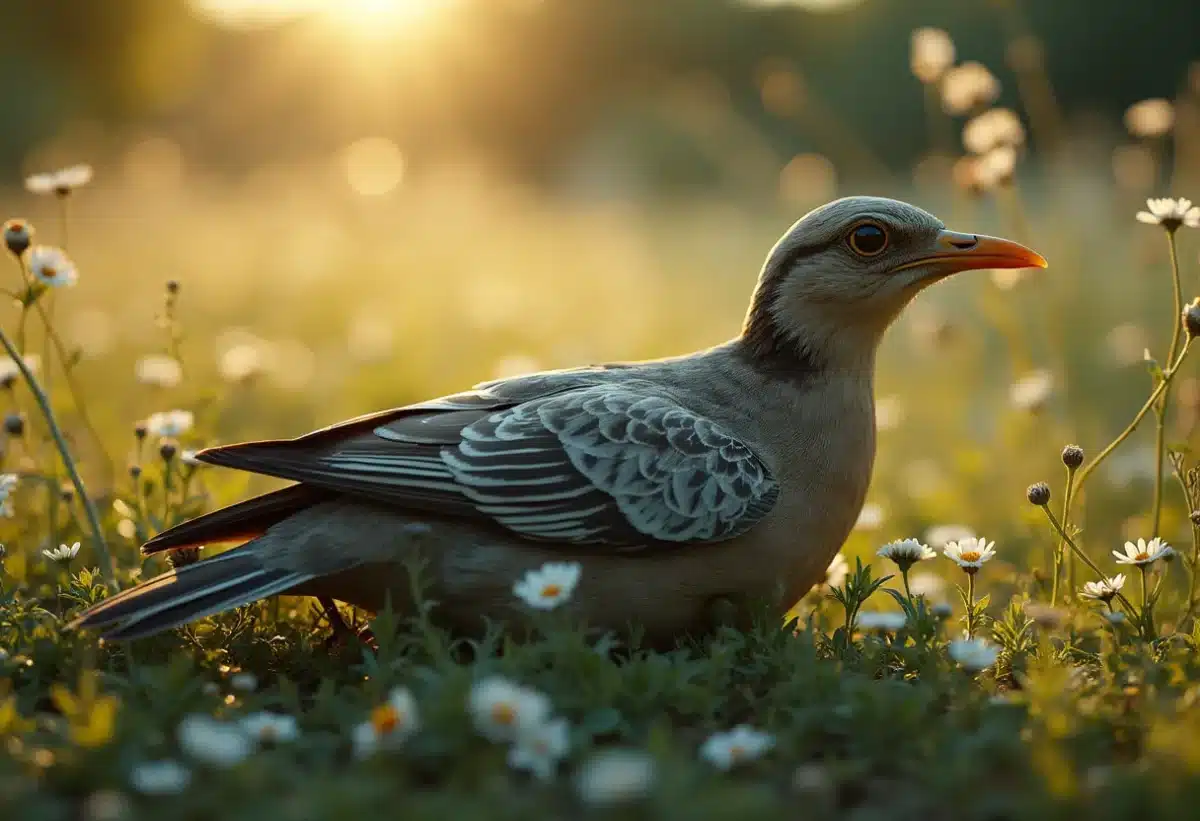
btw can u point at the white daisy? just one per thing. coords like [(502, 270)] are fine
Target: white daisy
[(548, 586), (993, 129), (836, 573), (740, 745), (1150, 118), (502, 709), (9, 370), (906, 552), (170, 423), (165, 777), (931, 54), (939, 536), (1170, 213), (968, 87), (1144, 553), (540, 748), (970, 554), (927, 584), (244, 682), (616, 776), (974, 654), (60, 182), (1105, 589), (8, 484), (884, 621), (159, 371), (63, 553), (390, 724), (52, 267), (1032, 391), (270, 728), (869, 518), (205, 739)]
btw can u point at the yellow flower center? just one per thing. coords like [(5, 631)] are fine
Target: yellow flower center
[(736, 751), (551, 590), (385, 719), (504, 713), (1141, 557), (49, 272), (970, 556)]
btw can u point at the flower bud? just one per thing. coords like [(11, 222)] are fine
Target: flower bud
[(1072, 456), (1191, 318), (172, 286), (18, 235), (14, 424), (167, 449), (135, 472), (139, 430), (1038, 494)]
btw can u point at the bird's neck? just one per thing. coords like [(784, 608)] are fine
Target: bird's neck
[(806, 344)]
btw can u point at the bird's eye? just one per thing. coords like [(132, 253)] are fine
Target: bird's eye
[(867, 239)]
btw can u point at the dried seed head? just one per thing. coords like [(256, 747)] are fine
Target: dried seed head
[(1038, 494), (168, 449), (1191, 318), (1072, 456), (14, 424), (18, 235), (183, 557)]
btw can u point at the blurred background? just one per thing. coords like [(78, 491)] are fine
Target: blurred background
[(367, 202)]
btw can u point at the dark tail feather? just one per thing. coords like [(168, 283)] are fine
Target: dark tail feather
[(241, 521), (232, 579)]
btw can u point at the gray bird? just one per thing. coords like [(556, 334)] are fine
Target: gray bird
[(729, 475)]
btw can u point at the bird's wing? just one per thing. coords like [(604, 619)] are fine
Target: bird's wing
[(616, 465)]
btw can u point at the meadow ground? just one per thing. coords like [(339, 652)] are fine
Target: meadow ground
[(298, 304)]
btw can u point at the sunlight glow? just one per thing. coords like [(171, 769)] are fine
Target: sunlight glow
[(365, 19)]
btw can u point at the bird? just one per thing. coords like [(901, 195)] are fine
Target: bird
[(729, 475)]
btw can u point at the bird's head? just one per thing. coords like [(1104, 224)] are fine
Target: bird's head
[(844, 271)]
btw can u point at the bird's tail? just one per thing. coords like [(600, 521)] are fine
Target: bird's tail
[(226, 581)]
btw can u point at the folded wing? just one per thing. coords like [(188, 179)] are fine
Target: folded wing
[(597, 464)]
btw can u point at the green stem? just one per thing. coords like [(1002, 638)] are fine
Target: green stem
[(1061, 548), (1083, 556), (907, 590), (1160, 429), (971, 605), (106, 563)]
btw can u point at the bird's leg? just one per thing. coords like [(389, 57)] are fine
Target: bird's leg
[(343, 633)]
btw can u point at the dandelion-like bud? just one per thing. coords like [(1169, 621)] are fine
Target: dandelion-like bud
[(932, 54), (183, 557), (172, 286), (135, 472), (1191, 318), (1150, 118), (18, 236), (1038, 494), (1072, 456), (168, 449), (139, 431), (14, 424)]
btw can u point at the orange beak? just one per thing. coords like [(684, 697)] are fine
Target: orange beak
[(965, 252)]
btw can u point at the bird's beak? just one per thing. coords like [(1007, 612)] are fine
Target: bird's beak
[(964, 252)]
